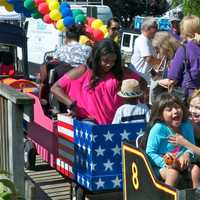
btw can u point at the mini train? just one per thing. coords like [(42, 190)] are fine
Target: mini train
[(90, 155)]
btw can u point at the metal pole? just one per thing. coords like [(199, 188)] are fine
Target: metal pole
[(146, 7)]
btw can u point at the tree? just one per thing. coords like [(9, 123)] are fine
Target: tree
[(135, 7), (190, 7)]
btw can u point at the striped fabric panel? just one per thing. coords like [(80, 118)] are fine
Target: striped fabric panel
[(65, 162), (65, 127), (64, 168), (66, 150)]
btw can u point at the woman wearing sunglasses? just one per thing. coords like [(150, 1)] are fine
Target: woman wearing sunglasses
[(113, 29), (194, 108)]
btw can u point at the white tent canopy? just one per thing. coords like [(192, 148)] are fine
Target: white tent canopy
[(5, 15)]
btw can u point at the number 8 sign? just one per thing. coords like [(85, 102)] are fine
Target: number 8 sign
[(135, 180)]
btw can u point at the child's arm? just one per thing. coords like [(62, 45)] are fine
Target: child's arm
[(153, 145), (180, 140)]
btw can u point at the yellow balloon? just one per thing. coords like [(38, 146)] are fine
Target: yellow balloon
[(59, 25), (55, 15), (83, 39), (9, 7), (53, 5), (3, 2), (104, 29), (106, 35), (97, 23), (48, 1)]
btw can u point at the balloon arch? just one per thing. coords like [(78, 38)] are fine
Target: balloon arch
[(59, 14)]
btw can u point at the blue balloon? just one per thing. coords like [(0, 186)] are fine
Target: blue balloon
[(12, 1), (64, 5), (66, 12), (26, 13), (18, 8), (68, 21)]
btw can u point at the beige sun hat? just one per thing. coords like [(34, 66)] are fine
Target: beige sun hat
[(130, 89)]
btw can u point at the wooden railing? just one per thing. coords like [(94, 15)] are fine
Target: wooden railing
[(14, 108)]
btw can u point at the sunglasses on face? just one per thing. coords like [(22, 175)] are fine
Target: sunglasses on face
[(115, 28)]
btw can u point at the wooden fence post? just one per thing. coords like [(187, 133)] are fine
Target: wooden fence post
[(16, 141), (15, 107)]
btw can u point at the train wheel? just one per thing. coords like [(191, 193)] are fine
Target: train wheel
[(29, 154)]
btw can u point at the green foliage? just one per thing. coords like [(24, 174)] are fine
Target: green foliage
[(7, 188), (190, 7)]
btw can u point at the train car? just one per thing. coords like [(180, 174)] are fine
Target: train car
[(89, 154), (140, 181)]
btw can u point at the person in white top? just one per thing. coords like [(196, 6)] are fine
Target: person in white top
[(132, 110), (73, 52), (144, 55)]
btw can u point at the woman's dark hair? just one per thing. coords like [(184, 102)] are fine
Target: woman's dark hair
[(7, 58), (162, 101), (73, 33), (114, 19), (102, 48)]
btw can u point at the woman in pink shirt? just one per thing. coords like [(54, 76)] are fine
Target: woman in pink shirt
[(90, 92)]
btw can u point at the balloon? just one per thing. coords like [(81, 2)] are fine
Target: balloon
[(18, 8), (9, 7), (97, 23), (83, 39), (80, 19), (98, 35), (89, 30), (104, 29), (90, 20), (37, 2), (29, 4), (55, 15), (26, 13), (53, 5), (60, 25), (47, 19), (77, 12), (68, 21), (10, 1), (66, 11), (43, 8), (36, 15), (64, 5)]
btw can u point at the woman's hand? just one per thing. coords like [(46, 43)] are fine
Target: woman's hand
[(177, 139), (166, 83), (71, 111)]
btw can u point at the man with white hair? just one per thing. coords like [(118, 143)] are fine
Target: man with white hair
[(143, 57)]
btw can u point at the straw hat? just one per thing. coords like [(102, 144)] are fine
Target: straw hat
[(130, 89)]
